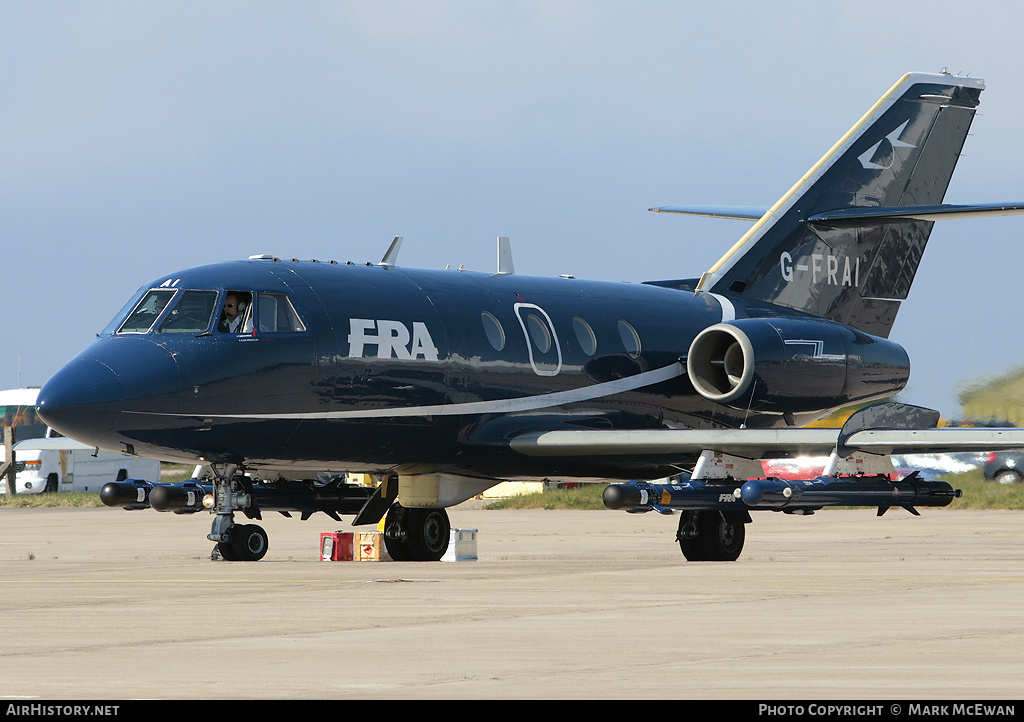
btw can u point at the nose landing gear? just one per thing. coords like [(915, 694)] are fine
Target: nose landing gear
[(248, 543), (236, 542)]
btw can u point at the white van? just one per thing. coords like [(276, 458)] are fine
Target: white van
[(62, 464)]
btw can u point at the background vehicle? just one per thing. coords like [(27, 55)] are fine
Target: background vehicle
[(1006, 467), (62, 464), (47, 461)]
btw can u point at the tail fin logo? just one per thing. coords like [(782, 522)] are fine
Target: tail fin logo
[(881, 155)]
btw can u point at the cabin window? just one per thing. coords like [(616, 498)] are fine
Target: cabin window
[(191, 314), (539, 333), (495, 333), (275, 314), (148, 310), (541, 339), (630, 338), (585, 336)]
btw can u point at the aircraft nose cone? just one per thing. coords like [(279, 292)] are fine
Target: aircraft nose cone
[(103, 395), (79, 399)]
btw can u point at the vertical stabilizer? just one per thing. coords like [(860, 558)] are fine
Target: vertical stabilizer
[(837, 245)]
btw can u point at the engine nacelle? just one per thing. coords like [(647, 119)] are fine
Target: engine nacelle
[(793, 365)]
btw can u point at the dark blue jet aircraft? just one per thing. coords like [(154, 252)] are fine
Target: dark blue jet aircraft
[(279, 375)]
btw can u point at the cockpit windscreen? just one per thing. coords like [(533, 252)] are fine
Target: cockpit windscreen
[(191, 314), (147, 312)]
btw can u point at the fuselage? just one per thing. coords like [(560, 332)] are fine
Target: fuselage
[(375, 368)]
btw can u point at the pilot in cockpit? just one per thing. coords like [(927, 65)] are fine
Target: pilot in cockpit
[(234, 311)]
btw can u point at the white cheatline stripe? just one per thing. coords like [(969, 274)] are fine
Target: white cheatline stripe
[(525, 403), (728, 310)]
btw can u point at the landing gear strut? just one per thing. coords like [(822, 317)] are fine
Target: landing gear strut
[(419, 535), (709, 536), (236, 542)]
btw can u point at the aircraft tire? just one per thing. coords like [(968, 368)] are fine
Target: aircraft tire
[(717, 540), (227, 552), (249, 542), (395, 533), (428, 534), (416, 535), (692, 550), (691, 547), (721, 539)]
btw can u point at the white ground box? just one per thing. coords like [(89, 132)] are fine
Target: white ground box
[(461, 546)]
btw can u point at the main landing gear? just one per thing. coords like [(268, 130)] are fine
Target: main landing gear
[(416, 534), (710, 536)]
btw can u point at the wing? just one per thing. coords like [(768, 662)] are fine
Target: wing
[(765, 443), (749, 443), (876, 431)]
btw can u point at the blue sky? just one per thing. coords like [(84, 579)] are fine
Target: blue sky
[(138, 138)]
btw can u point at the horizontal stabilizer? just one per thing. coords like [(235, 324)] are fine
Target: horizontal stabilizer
[(739, 213), (941, 212), (860, 216)]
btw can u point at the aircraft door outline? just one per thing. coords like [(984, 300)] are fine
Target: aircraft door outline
[(539, 332)]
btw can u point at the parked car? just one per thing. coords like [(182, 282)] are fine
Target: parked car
[(1004, 467)]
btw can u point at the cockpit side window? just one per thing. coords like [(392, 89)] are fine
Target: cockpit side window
[(276, 314), (147, 311), (236, 315), (191, 313)]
